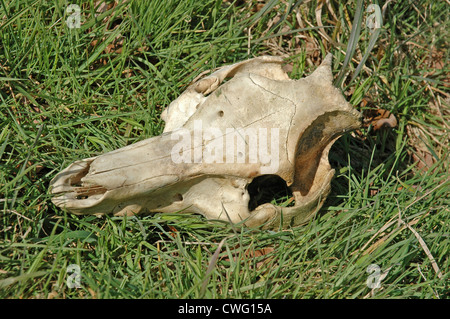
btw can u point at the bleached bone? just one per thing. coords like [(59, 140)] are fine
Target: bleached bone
[(282, 129)]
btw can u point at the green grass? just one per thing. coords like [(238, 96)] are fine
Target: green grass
[(67, 94)]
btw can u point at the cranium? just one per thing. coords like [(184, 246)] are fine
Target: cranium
[(223, 144)]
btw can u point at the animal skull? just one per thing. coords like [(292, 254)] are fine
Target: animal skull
[(213, 157)]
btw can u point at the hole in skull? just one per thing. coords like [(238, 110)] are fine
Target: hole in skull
[(178, 197), (267, 189), (85, 191)]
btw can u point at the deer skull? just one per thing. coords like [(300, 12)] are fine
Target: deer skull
[(225, 144)]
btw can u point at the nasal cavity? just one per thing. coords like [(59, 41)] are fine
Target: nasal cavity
[(268, 189)]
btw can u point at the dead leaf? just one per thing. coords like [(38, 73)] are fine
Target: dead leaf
[(111, 22), (376, 117), (251, 253), (421, 154)]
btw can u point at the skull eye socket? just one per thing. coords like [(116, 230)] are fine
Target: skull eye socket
[(267, 189)]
